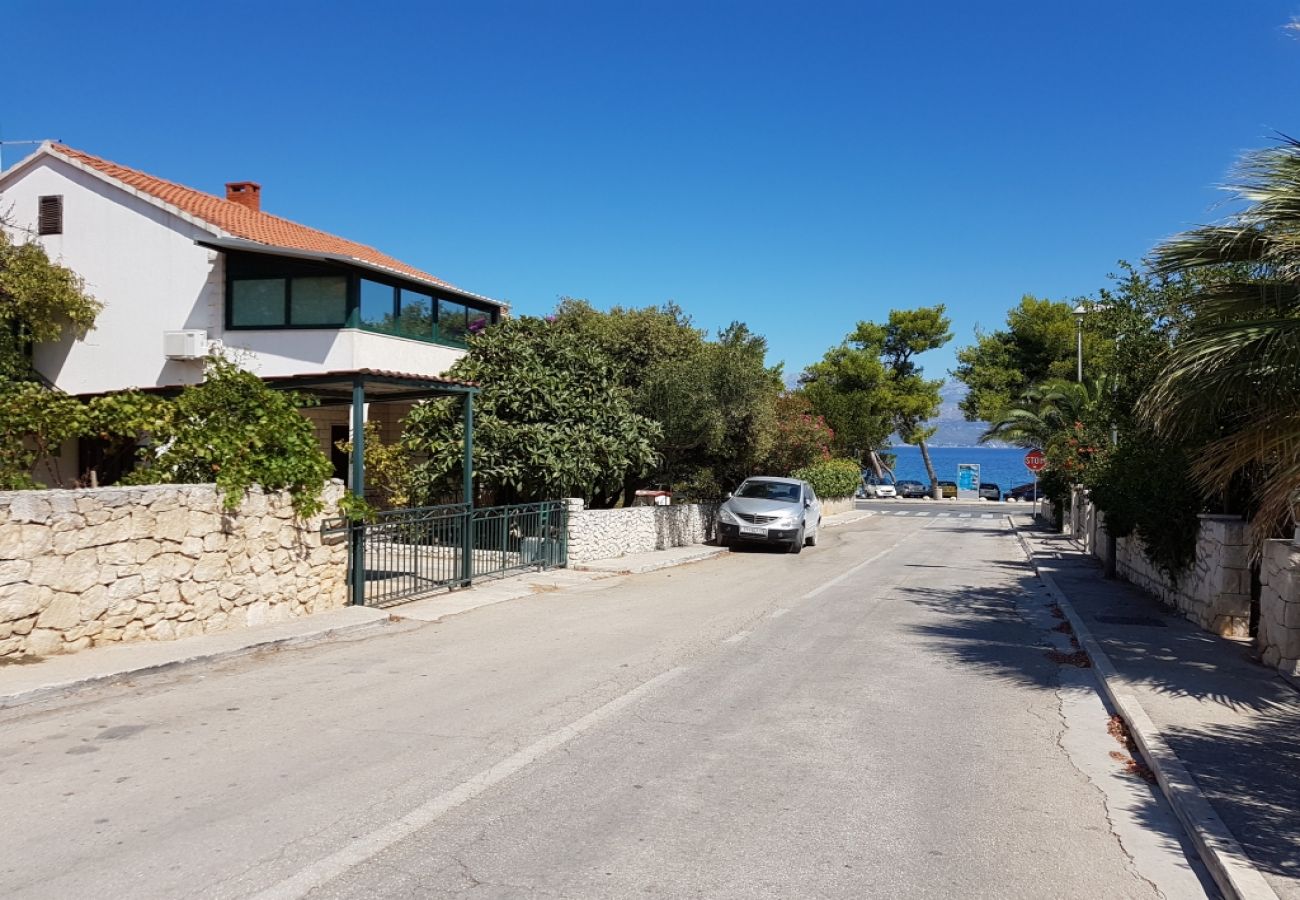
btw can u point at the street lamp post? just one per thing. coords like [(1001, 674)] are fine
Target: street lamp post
[(1079, 312)]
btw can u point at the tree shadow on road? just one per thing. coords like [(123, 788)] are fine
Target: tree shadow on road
[(1251, 774)]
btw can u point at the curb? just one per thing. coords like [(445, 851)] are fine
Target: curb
[(58, 689), (610, 567), (1228, 864)]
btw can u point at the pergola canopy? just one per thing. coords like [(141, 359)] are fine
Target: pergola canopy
[(336, 388)]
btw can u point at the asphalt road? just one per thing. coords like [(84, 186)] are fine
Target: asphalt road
[(873, 717)]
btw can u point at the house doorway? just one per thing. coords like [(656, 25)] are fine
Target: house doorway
[(339, 459)]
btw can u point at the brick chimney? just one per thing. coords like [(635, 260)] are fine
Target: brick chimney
[(245, 193)]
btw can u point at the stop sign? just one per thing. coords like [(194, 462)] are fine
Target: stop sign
[(1035, 461)]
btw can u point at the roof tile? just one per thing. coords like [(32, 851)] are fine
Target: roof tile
[(240, 221)]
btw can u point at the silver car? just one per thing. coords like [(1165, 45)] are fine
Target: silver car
[(771, 510)]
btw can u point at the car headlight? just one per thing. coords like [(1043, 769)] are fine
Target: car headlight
[(725, 515), (787, 521)]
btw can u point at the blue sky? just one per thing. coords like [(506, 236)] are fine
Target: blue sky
[(796, 166)]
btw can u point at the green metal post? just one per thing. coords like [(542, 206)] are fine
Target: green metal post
[(467, 463), (358, 573)]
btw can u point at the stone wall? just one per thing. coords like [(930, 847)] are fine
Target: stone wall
[(604, 533), (1278, 640), (81, 568), (1214, 592)]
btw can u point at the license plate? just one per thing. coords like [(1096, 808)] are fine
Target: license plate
[(754, 530)]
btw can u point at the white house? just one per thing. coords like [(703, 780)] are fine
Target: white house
[(181, 273)]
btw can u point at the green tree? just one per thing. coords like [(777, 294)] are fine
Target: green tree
[(848, 387), (801, 438), (913, 398), (1233, 373), (553, 419), (39, 302), (233, 430), (1037, 344)]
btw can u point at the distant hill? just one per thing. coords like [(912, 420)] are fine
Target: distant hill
[(954, 430)]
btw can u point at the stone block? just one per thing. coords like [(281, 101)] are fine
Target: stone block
[(93, 603), (44, 642), (14, 570), (20, 600), (162, 630), (210, 567), (29, 506), (133, 631)]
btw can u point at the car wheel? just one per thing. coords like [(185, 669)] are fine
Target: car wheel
[(797, 545)]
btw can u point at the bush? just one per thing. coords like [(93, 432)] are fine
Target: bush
[(832, 479)]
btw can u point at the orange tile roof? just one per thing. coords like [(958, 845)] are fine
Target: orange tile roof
[(242, 222)]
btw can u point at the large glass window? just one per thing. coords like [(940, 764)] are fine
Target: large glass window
[(453, 321), (415, 315), (318, 300), (377, 306), (257, 302), (478, 320)]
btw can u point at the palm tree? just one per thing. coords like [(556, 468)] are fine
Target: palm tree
[(1234, 373), (1045, 410)]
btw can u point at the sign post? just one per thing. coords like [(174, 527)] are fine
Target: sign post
[(1035, 461)]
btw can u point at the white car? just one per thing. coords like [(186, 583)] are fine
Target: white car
[(878, 488)]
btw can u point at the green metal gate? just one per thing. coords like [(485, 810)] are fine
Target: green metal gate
[(401, 554)]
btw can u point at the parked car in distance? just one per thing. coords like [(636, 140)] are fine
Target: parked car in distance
[(912, 490), (948, 489), (1022, 492), (876, 487), (990, 491), (770, 510)]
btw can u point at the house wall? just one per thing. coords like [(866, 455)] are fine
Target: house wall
[(142, 263), (89, 567), (139, 261)]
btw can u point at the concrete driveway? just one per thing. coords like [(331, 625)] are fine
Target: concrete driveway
[(873, 717)]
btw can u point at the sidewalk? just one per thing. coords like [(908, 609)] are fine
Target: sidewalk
[(1233, 725)]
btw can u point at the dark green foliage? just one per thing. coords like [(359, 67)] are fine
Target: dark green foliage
[(1037, 344), (553, 419), (39, 300), (832, 479), (1145, 487), (713, 400), (234, 430)]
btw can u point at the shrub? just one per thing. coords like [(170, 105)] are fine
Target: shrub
[(832, 479)]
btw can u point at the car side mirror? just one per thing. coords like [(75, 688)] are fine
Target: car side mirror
[(807, 503), (727, 495)]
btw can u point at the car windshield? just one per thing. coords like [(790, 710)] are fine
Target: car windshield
[(770, 490)]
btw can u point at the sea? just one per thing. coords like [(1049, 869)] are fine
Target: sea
[(1003, 466)]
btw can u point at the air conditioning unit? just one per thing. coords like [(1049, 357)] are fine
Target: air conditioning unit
[(185, 344)]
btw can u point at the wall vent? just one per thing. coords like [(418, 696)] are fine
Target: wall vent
[(49, 219)]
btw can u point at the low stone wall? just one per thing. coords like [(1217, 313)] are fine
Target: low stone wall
[(1214, 592), (81, 568), (1278, 640), (604, 533)]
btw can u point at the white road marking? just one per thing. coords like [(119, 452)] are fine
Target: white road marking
[(370, 845), (987, 516), (853, 571), (944, 515), (964, 516), (736, 638), (779, 612)]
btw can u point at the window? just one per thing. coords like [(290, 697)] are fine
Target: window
[(49, 216), (318, 300), (377, 306), (257, 302), (302, 302), (478, 320), (453, 320), (415, 315)]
